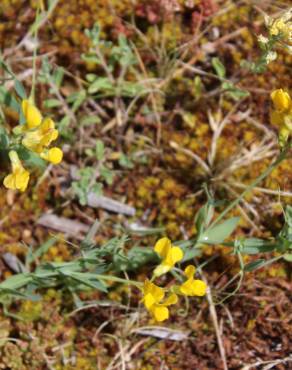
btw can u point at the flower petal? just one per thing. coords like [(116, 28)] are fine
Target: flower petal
[(161, 269), (190, 271), (281, 100), (199, 288), (186, 287), (172, 299), (157, 292), (21, 180), (276, 118), (31, 113), (9, 182), (149, 301), (193, 288), (162, 247), (53, 155), (160, 313), (176, 254), (154, 290), (47, 124)]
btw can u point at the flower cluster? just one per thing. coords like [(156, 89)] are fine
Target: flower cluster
[(279, 34), (282, 114), (281, 27), (36, 135), (154, 296)]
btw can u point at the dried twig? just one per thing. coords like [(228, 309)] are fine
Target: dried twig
[(214, 317)]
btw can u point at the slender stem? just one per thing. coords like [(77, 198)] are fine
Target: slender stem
[(119, 280), (266, 173), (35, 33)]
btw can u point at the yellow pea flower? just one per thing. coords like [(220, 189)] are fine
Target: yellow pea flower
[(281, 100), (282, 115), (53, 155), (277, 26), (19, 177), (170, 256), (31, 113), (277, 118), (153, 296), (281, 26), (284, 134), (41, 137), (192, 287)]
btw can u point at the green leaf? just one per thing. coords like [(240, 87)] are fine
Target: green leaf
[(219, 67), (4, 139), (190, 253), (90, 77), (97, 189), (137, 257), (131, 89), (58, 76), (63, 127), (106, 174), (233, 91), (197, 87), (288, 257), (254, 265), (255, 246), (125, 161), (94, 34), (204, 217), (89, 238), (90, 120), (77, 98), (91, 58), (16, 281), (288, 215), (135, 229), (20, 89), (22, 119), (99, 150), (31, 159), (52, 103), (102, 84), (219, 233), (88, 279), (7, 99), (43, 248)]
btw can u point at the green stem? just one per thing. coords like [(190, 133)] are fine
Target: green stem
[(119, 280), (266, 173), (32, 92), (35, 33)]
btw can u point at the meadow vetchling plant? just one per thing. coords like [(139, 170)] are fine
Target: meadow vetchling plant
[(95, 266)]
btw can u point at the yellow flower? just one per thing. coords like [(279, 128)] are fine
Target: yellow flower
[(170, 256), (40, 137), (281, 26), (277, 26), (281, 100), (153, 295), (19, 177), (192, 287), (284, 134), (53, 155), (282, 116), (277, 118), (31, 113)]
